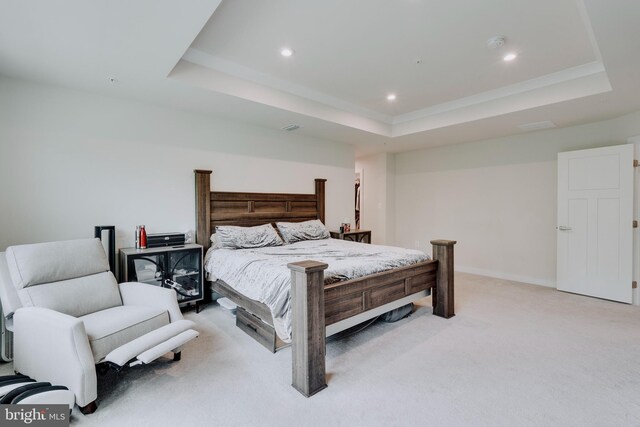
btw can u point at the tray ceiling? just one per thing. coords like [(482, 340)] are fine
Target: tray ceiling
[(576, 62)]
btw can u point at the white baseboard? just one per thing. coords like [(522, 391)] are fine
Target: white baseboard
[(506, 276), (525, 279)]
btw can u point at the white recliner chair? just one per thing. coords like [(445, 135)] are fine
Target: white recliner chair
[(68, 314)]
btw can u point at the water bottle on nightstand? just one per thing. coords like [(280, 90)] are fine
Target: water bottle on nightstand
[(143, 237)]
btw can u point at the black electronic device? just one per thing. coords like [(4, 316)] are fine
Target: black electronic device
[(157, 240)]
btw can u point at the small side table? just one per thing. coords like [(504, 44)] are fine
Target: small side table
[(361, 236), (177, 267)]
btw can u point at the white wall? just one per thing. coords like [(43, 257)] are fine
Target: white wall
[(71, 160), (497, 198), (378, 196)]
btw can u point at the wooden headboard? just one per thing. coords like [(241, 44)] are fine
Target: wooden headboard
[(247, 209)]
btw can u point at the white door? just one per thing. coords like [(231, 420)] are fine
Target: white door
[(595, 222)]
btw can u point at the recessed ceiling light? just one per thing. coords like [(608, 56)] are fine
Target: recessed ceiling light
[(286, 52), (510, 57), (391, 97)]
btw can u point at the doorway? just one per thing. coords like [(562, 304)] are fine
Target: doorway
[(595, 227), (358, 198)]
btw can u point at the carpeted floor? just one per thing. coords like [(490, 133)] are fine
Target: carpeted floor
[(514, 354)]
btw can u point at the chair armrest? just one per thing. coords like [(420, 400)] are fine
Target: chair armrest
[(52, 346), (135, 293), (8, 294)]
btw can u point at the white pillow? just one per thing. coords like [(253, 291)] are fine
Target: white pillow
[(232, 237), (307, 230), (215, 244)]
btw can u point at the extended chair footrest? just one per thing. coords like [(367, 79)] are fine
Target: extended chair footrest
[(167, 346), (154, 344)]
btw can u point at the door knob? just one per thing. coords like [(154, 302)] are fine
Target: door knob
[(564, 228)]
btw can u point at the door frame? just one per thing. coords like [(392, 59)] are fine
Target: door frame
[(635, 140)]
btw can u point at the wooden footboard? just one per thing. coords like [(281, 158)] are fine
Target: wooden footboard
[(315, 306), (352, 297)]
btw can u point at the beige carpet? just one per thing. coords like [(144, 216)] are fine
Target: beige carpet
[(514, 355)]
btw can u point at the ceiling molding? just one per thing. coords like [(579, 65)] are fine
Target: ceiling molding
[(590, 84), (586, 21), (204, 70), (506, 91), (213, 80), (213, 62)]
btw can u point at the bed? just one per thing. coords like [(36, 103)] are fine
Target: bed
[(318, 309)]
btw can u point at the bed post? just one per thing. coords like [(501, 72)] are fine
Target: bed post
[(203, 207), (320, 198), (308, 326), (442, 294)]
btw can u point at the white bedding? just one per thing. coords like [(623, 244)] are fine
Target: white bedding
[(262, 274)]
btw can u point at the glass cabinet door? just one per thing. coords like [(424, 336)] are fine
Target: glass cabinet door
[(183, 274), (147, 269)]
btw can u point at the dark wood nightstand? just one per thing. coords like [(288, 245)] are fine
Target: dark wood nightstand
[(176, 267), (362, 236)]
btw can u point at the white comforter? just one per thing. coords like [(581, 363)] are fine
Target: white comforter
[(262, 274)]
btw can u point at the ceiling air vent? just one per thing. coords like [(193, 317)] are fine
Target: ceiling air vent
[(547, 124), (291, 128)]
